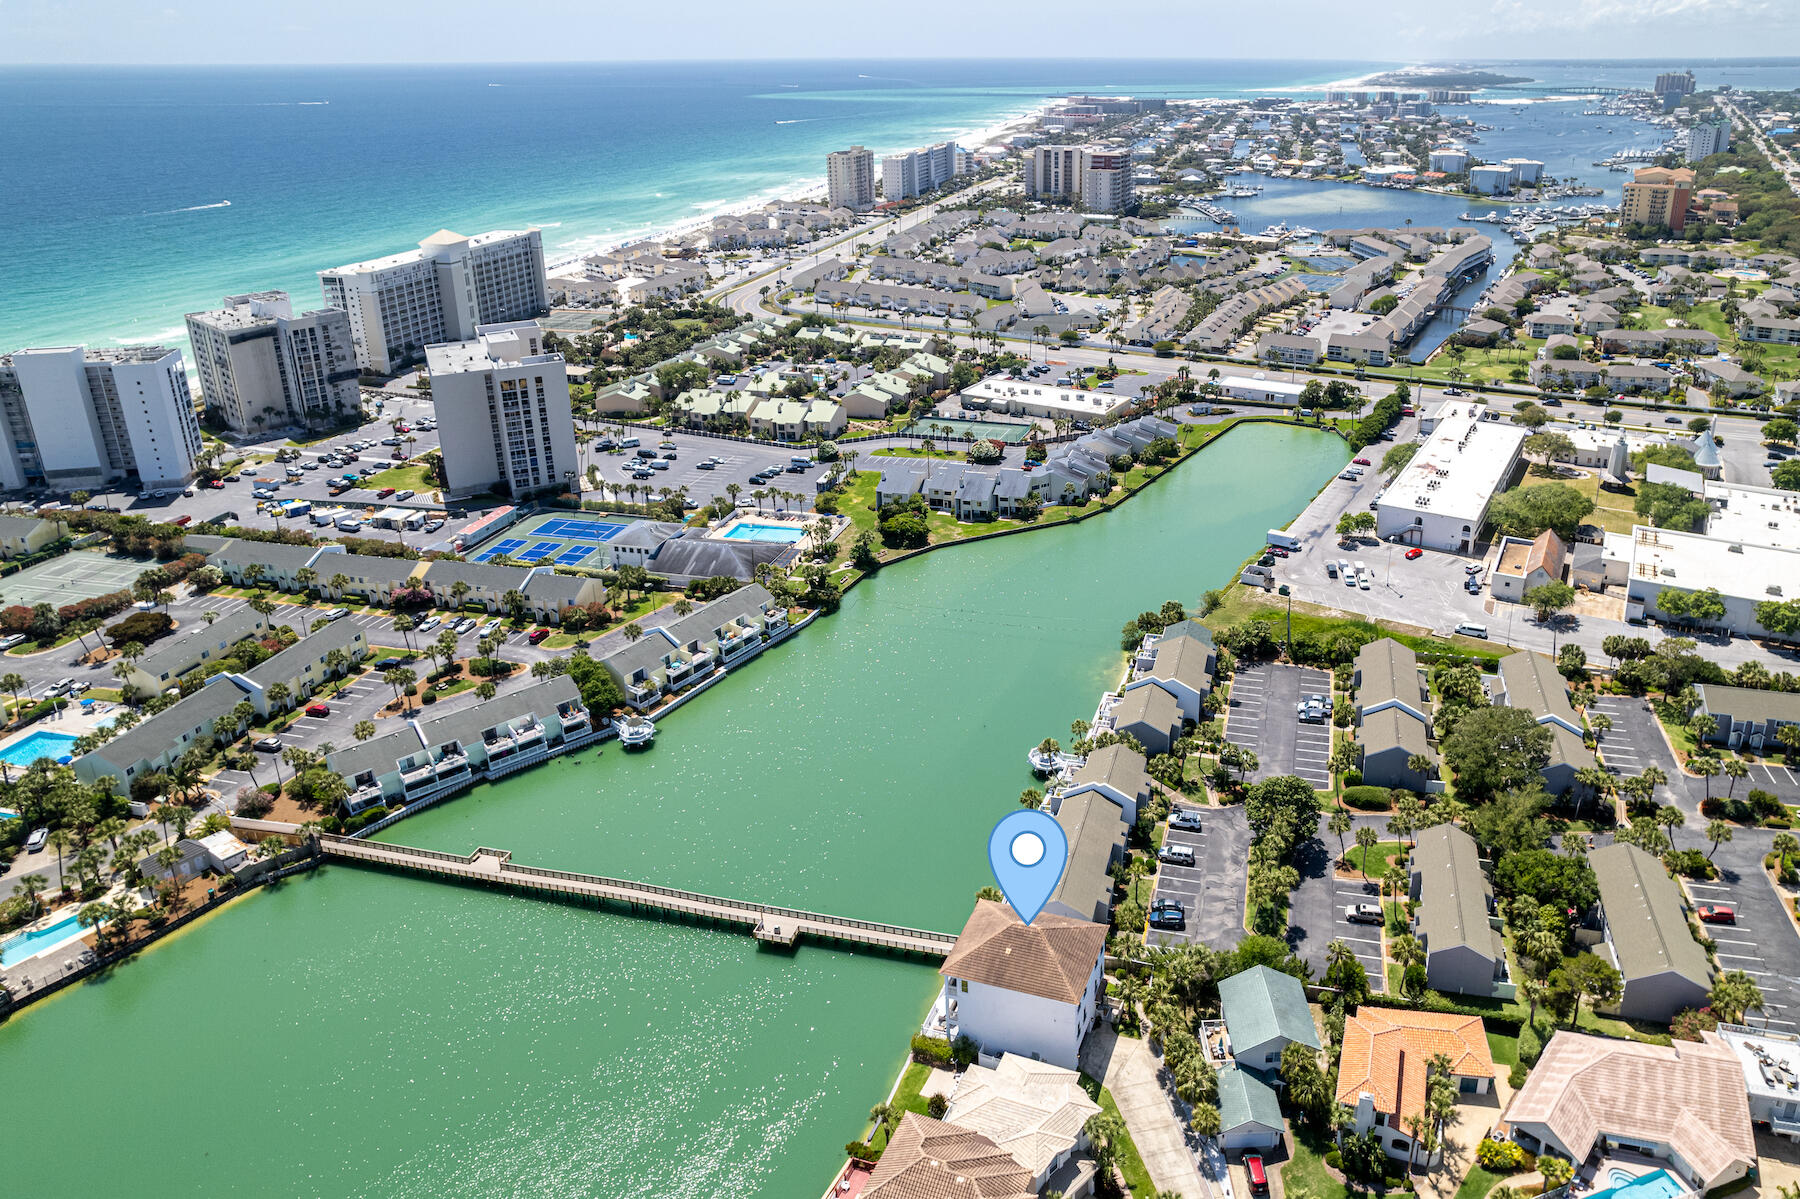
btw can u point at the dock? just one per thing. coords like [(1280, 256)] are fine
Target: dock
[(769, 925)]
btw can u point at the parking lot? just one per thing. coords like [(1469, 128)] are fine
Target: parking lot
[(1316, 908), (1262, 718), (1635, 743), (1211, 891), (734, 462), (1761, 941)]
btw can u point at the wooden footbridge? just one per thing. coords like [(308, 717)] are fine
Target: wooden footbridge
[(770, 925)]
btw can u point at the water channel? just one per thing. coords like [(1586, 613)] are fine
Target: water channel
[(358, 1033)]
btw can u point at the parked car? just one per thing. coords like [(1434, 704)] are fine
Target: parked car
[(1259, 1178), (1185, 818), (1414, 552), (1473, 568), (428, 624), (35, 843), (1716, 913), (1167, 913), (1360, 461), (318, 709), (1176, 855), (463, 624), (491, 627), (537, 636), (388, 663), (1363, 913), (11, 639), (432, 526), (268, 745)]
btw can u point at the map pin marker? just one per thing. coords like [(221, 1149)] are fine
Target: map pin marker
[(1028, 851)]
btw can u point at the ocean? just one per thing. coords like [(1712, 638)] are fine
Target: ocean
[(154, 192)]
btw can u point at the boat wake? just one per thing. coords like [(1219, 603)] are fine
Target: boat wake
[(797, 121), (190, 208)]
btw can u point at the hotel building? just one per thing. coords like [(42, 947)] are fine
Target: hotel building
[(850, 179), (262, 366), (82, 418), (503, 411), (439, 292)]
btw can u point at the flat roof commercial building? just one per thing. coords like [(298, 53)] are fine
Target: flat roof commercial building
[(1440, 501), (1000, 394), (1744, 572)]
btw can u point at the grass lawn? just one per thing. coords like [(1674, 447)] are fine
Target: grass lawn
[(1374, 861), (1245, 603), (906, 1099), (1305, 1175), (411, 476), (1612, 509), (1478, 1183), (560, 641), (1131, 1165), (908, 452), (1504, 1049)]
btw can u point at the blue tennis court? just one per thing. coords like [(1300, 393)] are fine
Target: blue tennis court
[(554, 541), (581, 530)]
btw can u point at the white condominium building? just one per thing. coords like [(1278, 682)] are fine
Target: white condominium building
[(850, 179), (502, 406), (80, 418), (262, 367), (917, 171), (1096, 180), (441, 291)]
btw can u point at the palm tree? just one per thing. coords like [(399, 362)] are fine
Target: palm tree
[(1785, 846), (1707, 767), (1366, 840), (1718, 832), (12, 681), (278, 695), (60, 841), (403, 625), (1734, 769), (31, 886), (1339, 824), (362, 730)]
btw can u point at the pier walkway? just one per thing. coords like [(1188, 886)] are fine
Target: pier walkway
[(768, 924)]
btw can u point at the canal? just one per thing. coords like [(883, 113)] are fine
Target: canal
[(360, 1033)]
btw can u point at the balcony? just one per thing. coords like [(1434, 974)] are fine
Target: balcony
[(642, 695)]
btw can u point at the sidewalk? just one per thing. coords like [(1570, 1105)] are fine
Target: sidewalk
[(1125, 1066)]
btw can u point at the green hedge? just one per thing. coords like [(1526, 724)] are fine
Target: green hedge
[(1368, 799), (1495, 1020)]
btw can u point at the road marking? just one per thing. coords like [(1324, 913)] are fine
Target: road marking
[(1693, 886), (1740, 957), (1731, 941)]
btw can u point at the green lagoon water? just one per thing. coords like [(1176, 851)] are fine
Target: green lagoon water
[(356, 1033)]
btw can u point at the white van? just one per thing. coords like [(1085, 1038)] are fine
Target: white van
[(627, 442), (1469, 628)]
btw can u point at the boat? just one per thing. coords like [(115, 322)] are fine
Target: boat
[(637, 732)]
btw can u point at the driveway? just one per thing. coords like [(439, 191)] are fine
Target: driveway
[(1211, 891), (1126, 1067)]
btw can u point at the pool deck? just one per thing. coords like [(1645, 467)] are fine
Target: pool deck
[(72, 721)]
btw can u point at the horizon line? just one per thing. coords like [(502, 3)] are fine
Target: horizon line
[(426, 66)]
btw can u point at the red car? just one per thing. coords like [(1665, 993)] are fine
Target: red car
[(384, 493), (1414, 552), (217, 484), (318, 709), (1259, 1179), (538, 635), (1278, 551), (1716, 913), (1360, 461)]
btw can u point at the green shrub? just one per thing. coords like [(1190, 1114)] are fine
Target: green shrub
[(1517, 1077), (142, 627), (936, 1106), (1367, 799), (1352, 778), (1334, 1159), (430, 697), (930, 1050), (863, 1151)]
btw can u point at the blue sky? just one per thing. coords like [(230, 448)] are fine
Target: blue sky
[(347, 31)]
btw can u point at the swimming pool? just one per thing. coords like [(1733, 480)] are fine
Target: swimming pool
[(1658, 1184), (746, 531), (17, 949), (39, 744)]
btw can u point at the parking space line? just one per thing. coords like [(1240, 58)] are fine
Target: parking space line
[(1740, 957), (1694, 886)]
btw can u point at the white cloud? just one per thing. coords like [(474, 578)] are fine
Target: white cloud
[(1540, 15)]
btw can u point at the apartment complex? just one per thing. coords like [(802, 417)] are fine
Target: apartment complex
[(76, 417), (1675, 83), (503, 411), (917, 171), (1708, 137), (263, 367), (1097, 180), (850, 179), (439, 292), (1658, 196)]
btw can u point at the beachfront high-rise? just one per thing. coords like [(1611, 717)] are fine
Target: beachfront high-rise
[(262, 367), (1098, 180), (439, 292), (502, 407), (917, 171), (82, 418), (850, 179)]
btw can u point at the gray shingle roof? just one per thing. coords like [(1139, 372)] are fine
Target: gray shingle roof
[(1453, 893), (1095, 827), (1645, 915), (1261, 1004)]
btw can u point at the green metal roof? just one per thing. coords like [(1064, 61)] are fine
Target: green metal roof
[(1262, 1004), (1246, 1099)]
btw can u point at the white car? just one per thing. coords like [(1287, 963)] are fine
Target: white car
[(11, 639), (428, 624), (491, 627)]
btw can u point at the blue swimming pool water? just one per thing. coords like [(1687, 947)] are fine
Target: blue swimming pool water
[(39, 744), (17, 949), (1659, 1184), (785, 534)]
